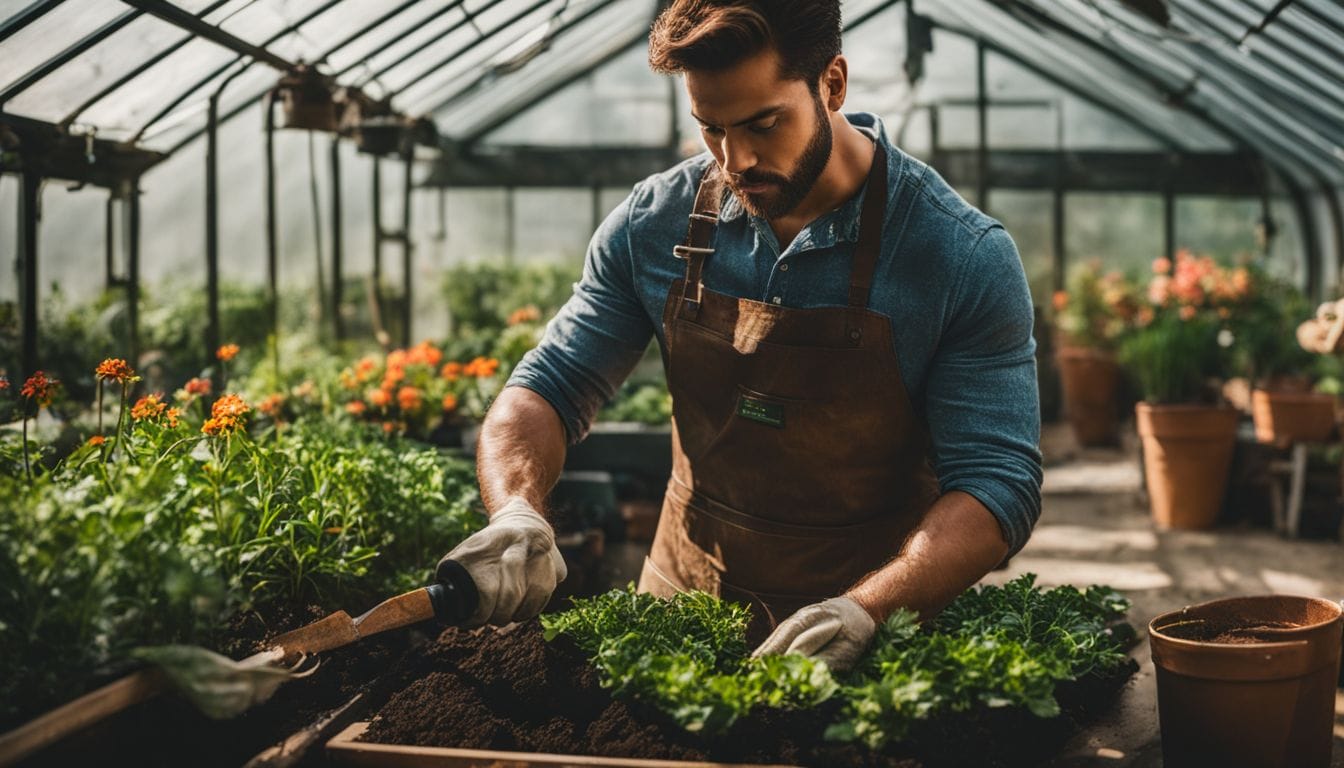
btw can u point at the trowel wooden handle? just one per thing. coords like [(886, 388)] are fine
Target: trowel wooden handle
[(80, 713)]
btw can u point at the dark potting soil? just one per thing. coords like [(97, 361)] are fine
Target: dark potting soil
[(510, 690), (1229, 634), (168, 731)]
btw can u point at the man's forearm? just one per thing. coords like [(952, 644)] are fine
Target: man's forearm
[(521, 450), (957, 543)]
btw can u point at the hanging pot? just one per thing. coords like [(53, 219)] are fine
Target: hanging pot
[(1282, 418), (1091, 382), (1187, 454), (380, 135), (307, 101), (1247, 681)]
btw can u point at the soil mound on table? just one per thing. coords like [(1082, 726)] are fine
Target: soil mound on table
[(510, 690)]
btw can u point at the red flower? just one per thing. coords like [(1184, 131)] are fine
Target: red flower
[(271, 405), (198, 386), (40, 388), (4, 383)]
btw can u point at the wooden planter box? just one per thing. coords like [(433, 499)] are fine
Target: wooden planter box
[(345, 750)]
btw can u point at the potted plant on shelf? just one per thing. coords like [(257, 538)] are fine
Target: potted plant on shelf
[(1175, 352), (1090, 319), (1282, 403)]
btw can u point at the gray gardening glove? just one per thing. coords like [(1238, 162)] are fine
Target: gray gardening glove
[(836, 631), (514, 562)]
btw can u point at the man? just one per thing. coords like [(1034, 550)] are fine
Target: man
[(847, 342)]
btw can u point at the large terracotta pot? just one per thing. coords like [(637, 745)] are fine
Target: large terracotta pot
[(1247, 681), (1091, 382), (1284, 417), (1187, 453)]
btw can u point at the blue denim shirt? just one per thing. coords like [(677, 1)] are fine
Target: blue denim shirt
[(949, 278)]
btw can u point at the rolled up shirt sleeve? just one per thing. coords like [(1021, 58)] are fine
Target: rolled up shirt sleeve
[(982, 398), (594, 342)]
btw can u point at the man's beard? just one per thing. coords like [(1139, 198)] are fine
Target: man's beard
[(789, 190)]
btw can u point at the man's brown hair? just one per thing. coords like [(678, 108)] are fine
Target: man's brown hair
[(717, 34)]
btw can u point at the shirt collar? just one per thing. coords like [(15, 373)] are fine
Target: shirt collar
[(839, 225)]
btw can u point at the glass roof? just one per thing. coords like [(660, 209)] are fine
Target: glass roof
[(1192, 74)]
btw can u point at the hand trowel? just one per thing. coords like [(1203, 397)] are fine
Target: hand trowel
[(452, 599)]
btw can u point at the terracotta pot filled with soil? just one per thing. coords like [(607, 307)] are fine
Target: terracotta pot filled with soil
[(1248, 681), (1187, 454), (1090, 379), (511, 691)]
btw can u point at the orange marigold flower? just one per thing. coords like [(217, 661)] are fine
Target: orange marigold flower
[(378, 398), (4, 383), (365, 366), (198, 386), (97, 440), (389, 427), (1060, 300), (148, 407), (451, 371), (449, 402), (227, 352), (397, 358), (394, 375), (424, 353), (171, 416), (271, 404), (355, 408), (482, 367), (409, 398), (528, 314), (226, 416), (115, 369), (40, 388)]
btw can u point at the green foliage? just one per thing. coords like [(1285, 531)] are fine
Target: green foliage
[(687, 656), (162, 538), (647, 403), (1264, 329), (1170, 358), (993, 647), (484, 296)]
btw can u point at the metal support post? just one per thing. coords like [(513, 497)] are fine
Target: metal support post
[(337, 326)]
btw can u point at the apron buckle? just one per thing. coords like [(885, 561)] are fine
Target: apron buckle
[(687, 251)]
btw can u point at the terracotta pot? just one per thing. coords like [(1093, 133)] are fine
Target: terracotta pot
[(1284, 417), (1187, 453), (1091, 382), (1263, 697)]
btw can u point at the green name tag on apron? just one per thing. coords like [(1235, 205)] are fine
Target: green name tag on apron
[(759, 410)]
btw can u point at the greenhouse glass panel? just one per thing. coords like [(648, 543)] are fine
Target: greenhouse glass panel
[(553, 226), (55, 96), (190, 119), (329, 27), (1123, 230), (1224, 227), (416, 23), (128, 109), (477, 225), (622, 103), (262, 19), (421, 62), (59, 28)]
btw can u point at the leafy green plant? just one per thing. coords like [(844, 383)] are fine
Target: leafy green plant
[(486, 296), (1264, 329), (647, 403), (160, 531), (1170, 358), (992, 647), (687, 656)]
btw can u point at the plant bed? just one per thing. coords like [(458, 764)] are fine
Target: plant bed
[(167, 731), (511, 691)]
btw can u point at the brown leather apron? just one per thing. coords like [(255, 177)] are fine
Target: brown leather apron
[(799, 465)]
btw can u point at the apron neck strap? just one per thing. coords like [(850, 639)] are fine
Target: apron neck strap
[(871, 218), (699, 243)]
